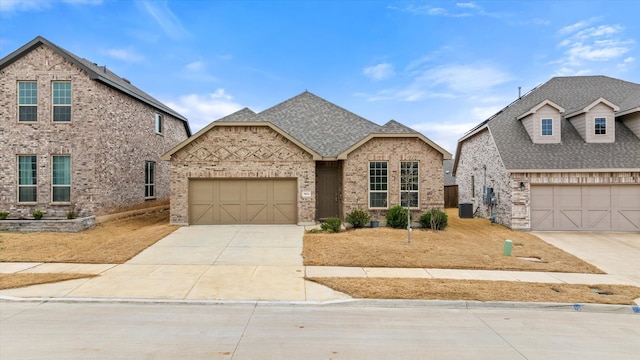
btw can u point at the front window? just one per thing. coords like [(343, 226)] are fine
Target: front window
[(61, 179), (27, 101), (378, 184), (61, 101), (409, 184), (547, 127), (601, 126), (149, 179), (27, 178), (159, 124)]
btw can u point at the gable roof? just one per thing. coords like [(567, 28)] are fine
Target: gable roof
[(325, 129), (518, 152), (95, 72)]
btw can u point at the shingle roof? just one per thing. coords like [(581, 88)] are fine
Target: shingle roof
[(95, 72), (319, 124), (572, 93)]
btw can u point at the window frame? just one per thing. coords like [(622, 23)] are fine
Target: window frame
[(32, 104), (600, 129), (385, 184), (53, 180), (149, 179), (415, 191), (54, 99), (549, 127), (34, 185), (159, 124)]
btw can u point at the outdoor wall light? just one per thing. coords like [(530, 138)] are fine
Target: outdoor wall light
[(521, 185)]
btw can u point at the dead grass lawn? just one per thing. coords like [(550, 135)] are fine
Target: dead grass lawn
[(12, 281), (465, 244), (110, 242), (447, 289)]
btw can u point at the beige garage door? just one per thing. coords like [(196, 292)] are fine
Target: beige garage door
[(596, 207), (242, 201)]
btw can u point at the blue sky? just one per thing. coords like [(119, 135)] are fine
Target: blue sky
[(440, 67)]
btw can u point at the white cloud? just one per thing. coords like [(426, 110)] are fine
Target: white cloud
[(379, 72), (585, 44), (128, 55), (465, 78), (467, 8), (203, 109), (468, 5), (630, 59), (162, 14), (195, 66)]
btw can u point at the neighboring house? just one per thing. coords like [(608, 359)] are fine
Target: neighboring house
[(565, 156), (301, 161), (74, 136)]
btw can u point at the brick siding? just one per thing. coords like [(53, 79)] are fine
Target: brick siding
[(109, 138)]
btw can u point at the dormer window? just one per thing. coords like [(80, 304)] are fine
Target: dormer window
[(600, 126), (547, 127)]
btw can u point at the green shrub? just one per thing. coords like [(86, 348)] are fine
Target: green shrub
[(397, 217), (37, 214), (3, 215), (331, 225), (71, 215), (434, 219), (358, 218)]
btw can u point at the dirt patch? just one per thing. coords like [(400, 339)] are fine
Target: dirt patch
[(480, 290), (110, 242), (12, 281), (465, 244)]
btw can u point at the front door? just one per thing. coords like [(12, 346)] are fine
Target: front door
[(328, 189)]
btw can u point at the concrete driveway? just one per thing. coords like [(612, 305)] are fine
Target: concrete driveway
[(233, 262), (616, 253)]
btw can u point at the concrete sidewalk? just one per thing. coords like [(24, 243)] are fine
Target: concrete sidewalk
[(245, 263)]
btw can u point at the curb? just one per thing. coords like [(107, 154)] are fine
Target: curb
[(442, 304)]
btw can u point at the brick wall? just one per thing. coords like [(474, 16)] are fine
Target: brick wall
[(475, 154), (393, 150), (109, 138), (241, 152)]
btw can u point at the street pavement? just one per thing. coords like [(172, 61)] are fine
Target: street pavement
[(253, 330)]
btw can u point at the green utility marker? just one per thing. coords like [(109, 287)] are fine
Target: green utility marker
[(508, 244)]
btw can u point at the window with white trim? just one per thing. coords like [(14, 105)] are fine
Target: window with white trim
[(409, 184), (159, 124), (600, 126), (547, 127), (149, 179), (27, 101), (61, 178), (378, 184), (27, 178), (61, 91)]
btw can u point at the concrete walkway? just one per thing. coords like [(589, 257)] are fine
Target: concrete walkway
[(244, 263)]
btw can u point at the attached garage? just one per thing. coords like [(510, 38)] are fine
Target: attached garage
[(242, 201), (585, 207)]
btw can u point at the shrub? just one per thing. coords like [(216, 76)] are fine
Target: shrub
[(71, 215), (37, 214), (3, 215), (397, 217), (358, 218), (331, 225), (434, 219)]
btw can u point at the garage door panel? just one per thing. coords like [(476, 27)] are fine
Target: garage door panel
[(569, 219), (242, 201), (588, 207)]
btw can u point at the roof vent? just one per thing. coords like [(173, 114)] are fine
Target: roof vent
[(126, 80)]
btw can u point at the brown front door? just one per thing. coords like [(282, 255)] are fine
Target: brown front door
[(328, 189)]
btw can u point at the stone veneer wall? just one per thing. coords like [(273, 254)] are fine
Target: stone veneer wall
[(476, 152), (48, 225), (241, 152), (521, 215), (393, 150), (109, 138)]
